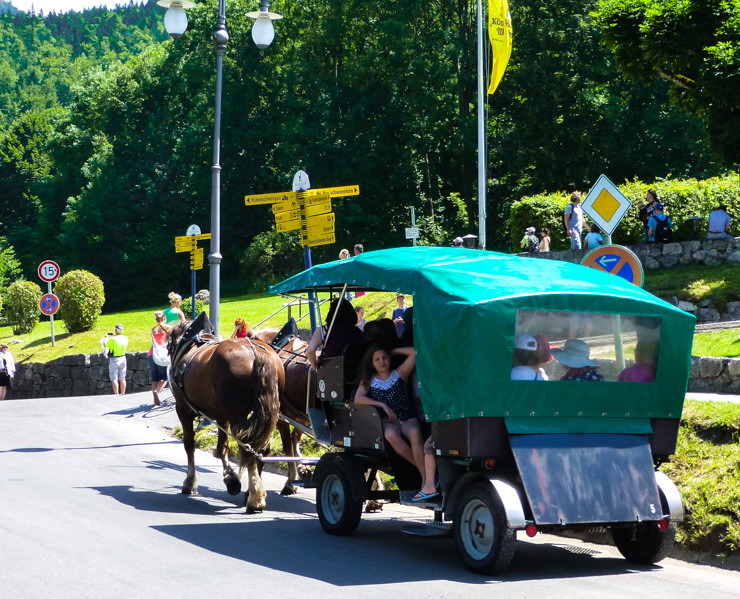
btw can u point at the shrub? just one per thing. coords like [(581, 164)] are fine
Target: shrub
[(22, 306), (81, 298), (682, 200), (187, 306)]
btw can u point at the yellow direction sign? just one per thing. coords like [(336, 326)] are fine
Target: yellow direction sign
[(288, 225), (320, 208), (185, 243), (323, 223), (269, 198), (283, 217), (196, 259), (323, 240), (334, 192), (202, 236), (287, 205)]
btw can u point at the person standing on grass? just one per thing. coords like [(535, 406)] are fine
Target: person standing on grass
[(173, 314), (117, 344)]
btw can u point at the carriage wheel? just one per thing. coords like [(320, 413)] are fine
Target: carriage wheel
[(484, 540), (644, 543), (339, 512)]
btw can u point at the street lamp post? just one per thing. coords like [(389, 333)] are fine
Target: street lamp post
[(176, 22)]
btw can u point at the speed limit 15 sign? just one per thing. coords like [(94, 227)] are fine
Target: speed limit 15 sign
[(49, 271)]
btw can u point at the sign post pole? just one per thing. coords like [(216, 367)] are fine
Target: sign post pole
[(49, 272), (51, 318)]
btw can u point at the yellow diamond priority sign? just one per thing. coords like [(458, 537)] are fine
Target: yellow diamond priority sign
[(605, 205)]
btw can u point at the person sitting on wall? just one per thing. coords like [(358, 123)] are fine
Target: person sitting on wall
[(718, 224)]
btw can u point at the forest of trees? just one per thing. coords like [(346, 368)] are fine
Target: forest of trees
[(106, 129)]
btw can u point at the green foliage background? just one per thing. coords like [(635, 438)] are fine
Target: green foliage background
[(106, 131)]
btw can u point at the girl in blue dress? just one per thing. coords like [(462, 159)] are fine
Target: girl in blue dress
[(387, 390)]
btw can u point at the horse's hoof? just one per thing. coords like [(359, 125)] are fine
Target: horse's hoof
[(289, 490), (254, 510), (233, 485), (189, 491), (373, 506)]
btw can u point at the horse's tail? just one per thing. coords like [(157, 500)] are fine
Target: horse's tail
[(262, 421)]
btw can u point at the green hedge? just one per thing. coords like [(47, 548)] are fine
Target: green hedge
[(81, 298), (682, 199)]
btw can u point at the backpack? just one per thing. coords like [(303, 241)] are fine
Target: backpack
[(534, 244), (663, 232)]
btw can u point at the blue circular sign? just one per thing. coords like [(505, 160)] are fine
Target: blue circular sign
[(616, 260)]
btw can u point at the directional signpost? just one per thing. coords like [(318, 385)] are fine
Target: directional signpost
[(49, 272), (189, 243), (307, 210)]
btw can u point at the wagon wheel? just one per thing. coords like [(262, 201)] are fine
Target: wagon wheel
[(644, 543), (339, 512), (484, 540)]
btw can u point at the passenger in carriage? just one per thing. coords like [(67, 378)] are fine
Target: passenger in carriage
[(646, 363), (387, 390), (576, 356), (529, 354), (343, 333), (381, 331)]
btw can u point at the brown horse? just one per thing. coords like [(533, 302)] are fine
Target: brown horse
[(297, 397), (237, 383)]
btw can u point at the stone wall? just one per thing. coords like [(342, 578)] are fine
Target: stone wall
[(82, 374), (79, 374), (667, 255)]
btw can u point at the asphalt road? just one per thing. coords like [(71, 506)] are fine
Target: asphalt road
[(91, 507)]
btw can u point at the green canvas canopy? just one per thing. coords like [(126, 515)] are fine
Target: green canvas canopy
[(465, 306)]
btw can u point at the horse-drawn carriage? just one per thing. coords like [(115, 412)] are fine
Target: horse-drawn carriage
[(543, 454)]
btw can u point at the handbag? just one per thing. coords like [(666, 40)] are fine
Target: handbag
[(159, 353)]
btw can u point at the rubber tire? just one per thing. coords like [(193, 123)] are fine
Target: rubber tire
[(339, 512), (650, 544), (488, 550)]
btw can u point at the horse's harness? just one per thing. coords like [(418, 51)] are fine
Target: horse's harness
[(175, 376)]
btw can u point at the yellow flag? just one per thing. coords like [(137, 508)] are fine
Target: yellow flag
[(499, 31)]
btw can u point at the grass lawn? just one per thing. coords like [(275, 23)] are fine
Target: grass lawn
[(706, 468), (696, 283), (36, 346), (717, 344)]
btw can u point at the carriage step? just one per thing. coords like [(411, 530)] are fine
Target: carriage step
[(302, 460), (429, 528), (319, 426)]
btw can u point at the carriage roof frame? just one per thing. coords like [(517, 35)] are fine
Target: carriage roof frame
[(464, 297)]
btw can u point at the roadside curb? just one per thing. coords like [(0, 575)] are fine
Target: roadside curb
[(730, 562)]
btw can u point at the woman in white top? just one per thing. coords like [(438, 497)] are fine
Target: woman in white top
[(7, 369)]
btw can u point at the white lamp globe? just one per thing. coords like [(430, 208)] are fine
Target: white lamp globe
[(175, 21), (263, 32)]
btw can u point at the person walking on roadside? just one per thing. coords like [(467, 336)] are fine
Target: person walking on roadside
[(117, 344), (574, 220), (7, 369), (718, 224), (158, 357), (173, 314)]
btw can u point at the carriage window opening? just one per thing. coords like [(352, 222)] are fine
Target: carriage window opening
[(582, 346)]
